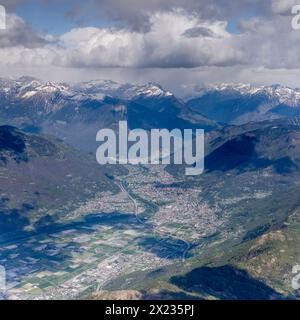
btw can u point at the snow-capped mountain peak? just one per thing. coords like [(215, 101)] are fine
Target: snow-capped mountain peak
[(282, 94), (149, 90), (123, 91)]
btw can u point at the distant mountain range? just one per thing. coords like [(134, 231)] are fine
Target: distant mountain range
[(76, 112), (242, 103), (66, 109)]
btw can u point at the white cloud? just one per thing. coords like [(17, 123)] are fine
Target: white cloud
[(166, 44)]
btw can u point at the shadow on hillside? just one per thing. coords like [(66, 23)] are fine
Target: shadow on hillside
[(226, 283)]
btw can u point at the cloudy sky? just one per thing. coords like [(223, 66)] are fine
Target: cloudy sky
[(178, 43)]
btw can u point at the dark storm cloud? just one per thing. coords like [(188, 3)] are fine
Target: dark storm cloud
[(19, 33), (198, 32), (136, 13)]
